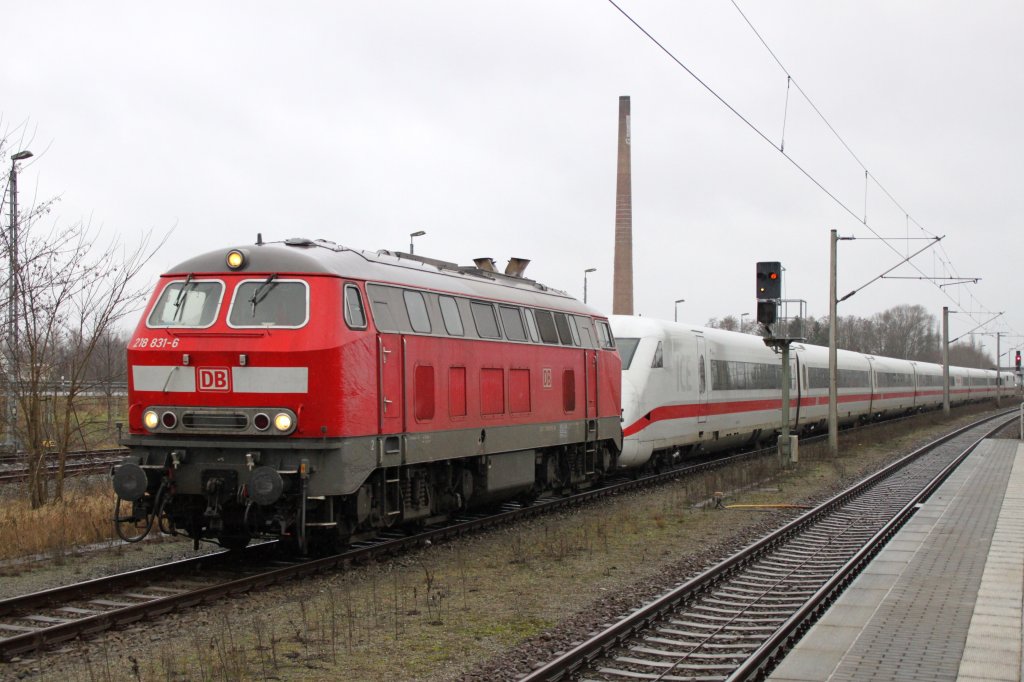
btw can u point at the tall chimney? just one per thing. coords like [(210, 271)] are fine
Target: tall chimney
[(622, 283)]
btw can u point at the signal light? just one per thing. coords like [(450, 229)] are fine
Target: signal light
[(1018, 361), (769, 280)]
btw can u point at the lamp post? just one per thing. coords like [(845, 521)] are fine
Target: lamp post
[(742, 315), (413, 235), (12, 318), (585, 273), (678, 301)]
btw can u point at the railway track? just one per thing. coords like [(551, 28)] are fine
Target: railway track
[(78, 463), (39, 620), (737, 619)]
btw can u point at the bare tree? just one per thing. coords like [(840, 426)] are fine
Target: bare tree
[(68, 295)]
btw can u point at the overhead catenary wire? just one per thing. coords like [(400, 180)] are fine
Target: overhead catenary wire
[(943, 258)]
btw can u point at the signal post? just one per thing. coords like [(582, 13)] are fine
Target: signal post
[(769, 303)]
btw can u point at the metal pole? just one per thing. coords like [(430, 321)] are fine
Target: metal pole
[(412, 235), (833, 397), (999, 376), (784, 450), (945, 360), (12, 322), (12, 258), (585, 273)]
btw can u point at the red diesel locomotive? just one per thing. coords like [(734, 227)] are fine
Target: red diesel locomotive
[(305, 390)]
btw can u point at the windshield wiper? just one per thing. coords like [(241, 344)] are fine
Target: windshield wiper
[(261, 292), (178, 310)]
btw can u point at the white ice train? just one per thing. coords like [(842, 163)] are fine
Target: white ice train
[(688, 388)]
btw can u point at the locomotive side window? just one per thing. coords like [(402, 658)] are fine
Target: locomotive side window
[(531, 325), (586, 336), (355, 314), (486, 322), (562, 325), (383, 317), (450, 315), (417, 309), (270, 302), (627, 349), (512, 321), (546, 326), (604, 332), (187, 303), (574, 330)]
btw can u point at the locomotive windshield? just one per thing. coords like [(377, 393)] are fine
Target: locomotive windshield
[(187, 303), (627, 348), (270, 302)]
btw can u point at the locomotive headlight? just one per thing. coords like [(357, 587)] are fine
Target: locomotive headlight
[(151, 419), (235, 259), (283, 421)]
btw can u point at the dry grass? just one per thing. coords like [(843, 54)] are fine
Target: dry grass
[(82, 518)]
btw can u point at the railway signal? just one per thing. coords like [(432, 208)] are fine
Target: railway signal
[(769, 280), (1018, 361), (769, 291)]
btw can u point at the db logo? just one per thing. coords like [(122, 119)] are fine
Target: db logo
[(214, 379)]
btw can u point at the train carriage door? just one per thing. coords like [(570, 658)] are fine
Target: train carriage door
[(703, 381), (391, 383)]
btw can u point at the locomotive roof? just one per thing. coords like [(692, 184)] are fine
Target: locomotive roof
[(301, 256)]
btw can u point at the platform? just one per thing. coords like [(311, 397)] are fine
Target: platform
[(943, 599)]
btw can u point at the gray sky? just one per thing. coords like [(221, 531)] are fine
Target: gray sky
[(492, 126)]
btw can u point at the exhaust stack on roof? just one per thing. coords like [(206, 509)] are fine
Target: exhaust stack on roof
[(516, 266), (622, 280), (485, 264)]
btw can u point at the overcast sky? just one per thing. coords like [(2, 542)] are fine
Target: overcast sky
[(492, 126)]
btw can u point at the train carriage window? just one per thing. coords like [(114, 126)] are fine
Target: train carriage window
[(512, 321), (486, 322), (355, 314), (450, 315), (531, 325), (417, 309), (627, 349), (187, 303), (270, 302), (546, 326), (659, 358), (562, 325)]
